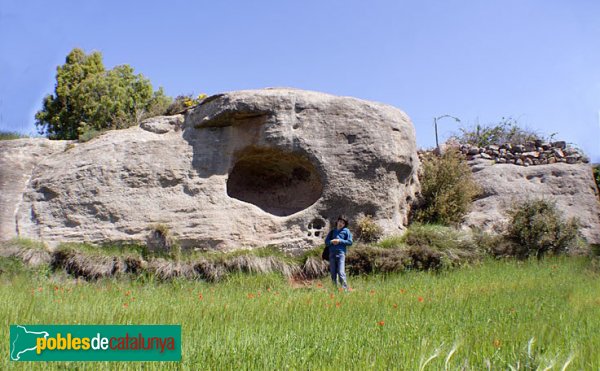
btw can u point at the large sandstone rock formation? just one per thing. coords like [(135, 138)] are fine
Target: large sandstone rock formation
[(17, 160), (241, 170), (571, 185)]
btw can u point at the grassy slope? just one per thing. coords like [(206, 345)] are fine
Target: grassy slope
[(488, 312)]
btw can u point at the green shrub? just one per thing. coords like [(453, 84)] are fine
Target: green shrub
[(506, 131), (456, 246), (86, 134), (183, 102), (438, 237), (422, 247), (391, 242), (597, 175), (366, 259), (368, 230), (447, 189), (536, 228), (425, 258), (496, 245)]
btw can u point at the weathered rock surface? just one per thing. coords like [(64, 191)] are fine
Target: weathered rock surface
[(17, 159), (163, 124), (248, 168), (571, 185)]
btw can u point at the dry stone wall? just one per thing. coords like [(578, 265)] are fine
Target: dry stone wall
[(528, 154)]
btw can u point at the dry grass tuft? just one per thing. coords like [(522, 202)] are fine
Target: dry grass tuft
[(209, 271), (314, 267), (87, 266), (167, 269), (260, 264)]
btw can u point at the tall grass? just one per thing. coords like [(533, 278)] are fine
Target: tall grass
[(498, 314)]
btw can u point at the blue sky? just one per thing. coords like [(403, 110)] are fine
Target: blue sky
[(534, 60)]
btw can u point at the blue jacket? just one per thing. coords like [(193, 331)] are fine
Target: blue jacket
[(343, 235)]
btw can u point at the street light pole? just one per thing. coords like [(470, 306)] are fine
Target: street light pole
[(435, 120)]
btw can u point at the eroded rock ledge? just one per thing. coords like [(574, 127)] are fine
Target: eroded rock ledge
[(241, 170)]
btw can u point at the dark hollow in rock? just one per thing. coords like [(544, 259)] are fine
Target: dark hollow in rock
[(280, 183)]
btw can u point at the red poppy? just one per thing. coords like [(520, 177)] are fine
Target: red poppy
[(421, 299), (402, 291), (381, 323), (395, 305), (250, 296), (125, 305)]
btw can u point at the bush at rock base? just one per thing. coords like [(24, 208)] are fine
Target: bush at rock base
[(447, 189), (368, 230), (537, 228)]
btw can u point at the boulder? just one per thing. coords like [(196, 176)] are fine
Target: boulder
[(163, 124), (247, 169), (571, 186)]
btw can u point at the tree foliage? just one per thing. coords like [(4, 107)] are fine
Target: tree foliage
[(87, 97)]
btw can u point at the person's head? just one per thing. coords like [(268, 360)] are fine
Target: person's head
[(342, 222)]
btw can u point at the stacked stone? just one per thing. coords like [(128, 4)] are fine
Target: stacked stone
[(531, 153)]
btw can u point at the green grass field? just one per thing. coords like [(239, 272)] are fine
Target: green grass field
[(500, 314)]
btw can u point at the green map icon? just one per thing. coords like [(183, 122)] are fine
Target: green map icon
[(23, 341)]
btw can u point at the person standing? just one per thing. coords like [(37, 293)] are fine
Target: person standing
[(338, 240)]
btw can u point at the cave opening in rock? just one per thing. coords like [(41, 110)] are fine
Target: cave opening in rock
[(280, 183)]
